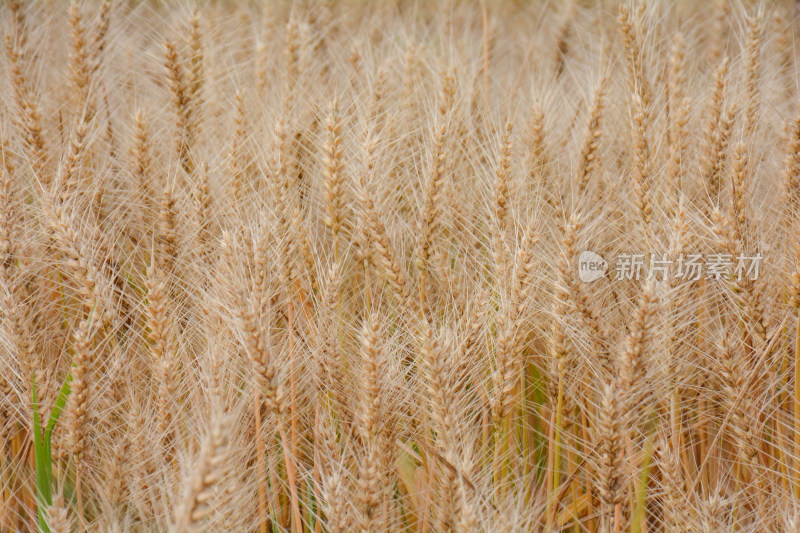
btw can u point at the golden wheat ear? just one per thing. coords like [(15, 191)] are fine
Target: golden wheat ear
[(399, 266)]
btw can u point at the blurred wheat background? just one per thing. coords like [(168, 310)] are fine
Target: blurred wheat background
[(313, 266)]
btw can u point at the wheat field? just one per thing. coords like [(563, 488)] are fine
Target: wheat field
[(407, 266)]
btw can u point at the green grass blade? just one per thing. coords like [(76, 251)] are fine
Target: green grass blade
[(640, 493), (43, 464), (42, 450), (58, 407)]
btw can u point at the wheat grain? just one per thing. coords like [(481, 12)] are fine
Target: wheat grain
[(340, 266)]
